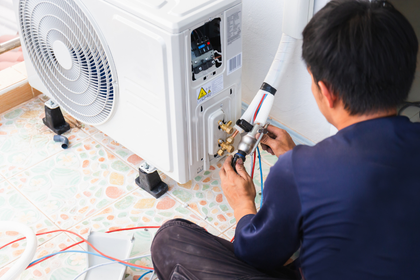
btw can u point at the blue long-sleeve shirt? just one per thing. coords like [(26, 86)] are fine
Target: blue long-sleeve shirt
[(351, 202)]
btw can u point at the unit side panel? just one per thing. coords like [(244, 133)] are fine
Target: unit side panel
[(140, 54), (224, 95)]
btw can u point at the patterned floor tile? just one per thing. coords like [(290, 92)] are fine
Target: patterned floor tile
[(26, 141), (204, 195), (139, 209), (131, 158), (15, 207), (61, 267), (230, 233), (76, 183), (268, 158)]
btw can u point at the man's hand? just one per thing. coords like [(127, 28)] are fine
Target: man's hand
[(238, 188), (277, 141)]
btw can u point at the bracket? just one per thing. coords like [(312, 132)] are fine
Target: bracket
[(150, 181), (54, 118)]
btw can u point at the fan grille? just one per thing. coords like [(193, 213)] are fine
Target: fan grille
[(84, 85)]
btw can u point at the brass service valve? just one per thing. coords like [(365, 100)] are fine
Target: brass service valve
[(226, 127), (224, 147)]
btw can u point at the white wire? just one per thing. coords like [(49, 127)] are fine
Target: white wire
[(108, 263), (153, 275)]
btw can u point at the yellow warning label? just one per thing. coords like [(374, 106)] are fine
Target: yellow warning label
[(202, 93)]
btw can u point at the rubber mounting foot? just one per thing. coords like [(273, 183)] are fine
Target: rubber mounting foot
[(151, 183), (55, 121)]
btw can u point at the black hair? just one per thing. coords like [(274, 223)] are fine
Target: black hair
[(365, 52)]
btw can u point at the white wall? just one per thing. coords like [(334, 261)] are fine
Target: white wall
[(8, 24), (411, 9), (294, 106)]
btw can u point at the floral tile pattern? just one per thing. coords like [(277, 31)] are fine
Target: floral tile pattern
[(139, 209), (268, 158), (128, 156), (15, 207), (75, 183), (25, 140), (204, 195), (90, 186), (61, 267)]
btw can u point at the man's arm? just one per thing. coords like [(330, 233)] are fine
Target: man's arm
[(266, 240)]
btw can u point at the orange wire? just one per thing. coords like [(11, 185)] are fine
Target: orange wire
[(54, 255), (109, 257), (84, 240), (123, 229)]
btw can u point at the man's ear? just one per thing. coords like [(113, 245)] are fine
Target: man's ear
[(328, 94)]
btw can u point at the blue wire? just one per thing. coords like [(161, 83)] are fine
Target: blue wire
[(144, 274), (90, 253), (261, 104), (261, 174)]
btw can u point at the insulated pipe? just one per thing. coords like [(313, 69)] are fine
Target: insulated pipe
[(275, 75), (273, 79), (296, 15), (10, 45), (31, 243), (62, 139)]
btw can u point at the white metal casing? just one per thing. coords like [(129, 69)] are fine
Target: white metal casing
[(157, 114)]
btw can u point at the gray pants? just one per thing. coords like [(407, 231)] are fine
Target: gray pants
[(182, 250)]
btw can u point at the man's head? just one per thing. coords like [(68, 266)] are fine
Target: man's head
[(364, 53)]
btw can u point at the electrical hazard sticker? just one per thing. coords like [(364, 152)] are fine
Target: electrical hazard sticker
[(210, 89), (203, 93)]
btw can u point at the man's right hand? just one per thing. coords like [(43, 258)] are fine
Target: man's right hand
[(277, 141)]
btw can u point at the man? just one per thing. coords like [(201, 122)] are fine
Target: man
[(351, 202)]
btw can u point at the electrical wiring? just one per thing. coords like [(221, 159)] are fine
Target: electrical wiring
[(265, 95), (89, 253), (153, 275), (83, 240), (258, 108), (109, 263), (253, 166), (261, 174), (144, 274), (133, 228), (75, 244)]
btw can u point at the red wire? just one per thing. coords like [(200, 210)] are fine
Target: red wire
[(75, 244), (259, 105), (123, 229), (253, 163), (84, 240), (255, 116), (253, 167)]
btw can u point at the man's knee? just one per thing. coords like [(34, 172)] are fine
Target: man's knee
[(164, 236)]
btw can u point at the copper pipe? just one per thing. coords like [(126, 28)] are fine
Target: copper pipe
[(234, 134)]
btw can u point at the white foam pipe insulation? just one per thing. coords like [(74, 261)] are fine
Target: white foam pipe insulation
[(296, 15), (31, 243)]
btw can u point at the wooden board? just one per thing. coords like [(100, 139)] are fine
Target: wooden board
[(16, 96)]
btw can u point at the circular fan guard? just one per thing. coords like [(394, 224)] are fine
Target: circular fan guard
[(85, 86)]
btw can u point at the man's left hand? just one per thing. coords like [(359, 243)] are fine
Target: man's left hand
[(238, 188)]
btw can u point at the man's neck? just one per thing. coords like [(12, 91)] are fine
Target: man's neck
[(345, 120)]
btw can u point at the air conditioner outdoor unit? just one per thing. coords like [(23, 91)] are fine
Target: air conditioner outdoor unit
[(155, 75)]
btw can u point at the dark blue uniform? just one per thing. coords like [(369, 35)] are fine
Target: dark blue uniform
[(351, 202)]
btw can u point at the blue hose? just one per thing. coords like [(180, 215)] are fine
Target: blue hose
[(261, 174), (63, 140)]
